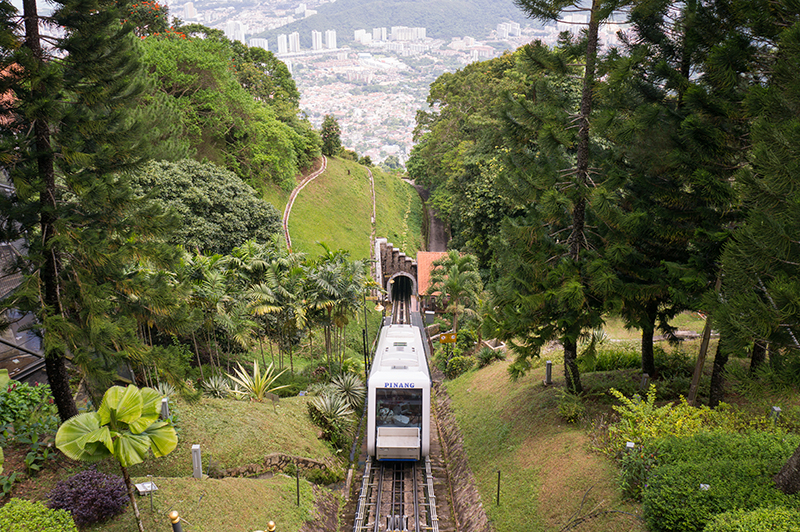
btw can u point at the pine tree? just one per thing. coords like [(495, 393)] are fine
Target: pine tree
[(331, 139), (760, 286), (552, 279), (98, 242), (668, 198)]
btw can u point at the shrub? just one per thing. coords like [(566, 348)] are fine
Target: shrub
[(610, 358), (351, 388), (760, 520), (324, 477), (19, 399), (641, 421), (458, 365), (331, 413), (710, 473), (216, 386), (487, 355), (19, 515), (634, 469), (570, 406), (90, 496)]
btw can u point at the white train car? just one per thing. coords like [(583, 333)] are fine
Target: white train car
[(399, 396)]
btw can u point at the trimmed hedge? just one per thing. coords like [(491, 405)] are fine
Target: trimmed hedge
[(20, 515), (736, 468), (760, 520)]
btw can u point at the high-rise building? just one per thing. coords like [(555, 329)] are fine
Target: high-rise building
[(379, 34), (259, 42), (402, 33), (294, 42), (502, 31), (283, 46), (330, 40), (316, 40), (189, 12), (234, 30)]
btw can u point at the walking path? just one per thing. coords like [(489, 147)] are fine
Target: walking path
[(292, 197)]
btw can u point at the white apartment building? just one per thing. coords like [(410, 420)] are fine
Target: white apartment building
[(402, 33), (189, 12), (379, 34), (330, 40), (235, 30), (259, 42), (316, 40), (294, 42), (283, 44)]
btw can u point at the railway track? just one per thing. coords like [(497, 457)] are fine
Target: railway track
[(401, 311), (396, 496)]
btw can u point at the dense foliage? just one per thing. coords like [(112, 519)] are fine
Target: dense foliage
[(632, 192), (89, 496), (217, 210), (237, 108), (19, 399)]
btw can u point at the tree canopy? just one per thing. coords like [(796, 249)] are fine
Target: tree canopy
[(217, 210)]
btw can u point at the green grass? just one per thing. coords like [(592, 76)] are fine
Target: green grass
[(226, 505), (234, 433), (400, 213), (336, 209), (548, 475)]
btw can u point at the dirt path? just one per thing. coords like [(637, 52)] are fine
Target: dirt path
[(288, 210)]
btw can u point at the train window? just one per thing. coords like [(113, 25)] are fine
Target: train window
[(398, 407)]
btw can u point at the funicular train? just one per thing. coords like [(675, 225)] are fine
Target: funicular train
[(399, 396)]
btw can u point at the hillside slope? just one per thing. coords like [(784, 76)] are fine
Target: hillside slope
[(443, 19), (336, 209)]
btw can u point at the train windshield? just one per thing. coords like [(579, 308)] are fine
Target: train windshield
[(398, 407)]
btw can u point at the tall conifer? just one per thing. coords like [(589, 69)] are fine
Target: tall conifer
[(90, 257)]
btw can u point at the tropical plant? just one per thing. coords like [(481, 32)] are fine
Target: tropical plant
[(333, 415), (456, 281), (165, 388), (217, 386), (126, 427), (351, 388), (257, 386)]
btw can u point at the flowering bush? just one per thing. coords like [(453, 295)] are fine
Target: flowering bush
[(90, 496), (641, 421), (148, 17)]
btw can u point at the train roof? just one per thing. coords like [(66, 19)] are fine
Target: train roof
[(400, 347)]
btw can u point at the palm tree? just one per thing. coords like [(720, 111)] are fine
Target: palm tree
[(456, 281)]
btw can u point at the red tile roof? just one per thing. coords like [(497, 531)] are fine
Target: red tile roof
[(425, 267)]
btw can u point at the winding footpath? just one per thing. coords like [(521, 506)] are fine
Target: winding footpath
[(292, 197)]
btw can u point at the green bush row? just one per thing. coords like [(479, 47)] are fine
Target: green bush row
[(19, 515)]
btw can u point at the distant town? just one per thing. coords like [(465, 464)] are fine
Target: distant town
[(374, 80)]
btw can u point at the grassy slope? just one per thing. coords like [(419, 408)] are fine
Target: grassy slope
[(336, 208), (400, 213), (546, 466), (231, 433), (235, 433)]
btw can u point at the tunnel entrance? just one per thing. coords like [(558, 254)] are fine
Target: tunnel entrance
[(401, 288)]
